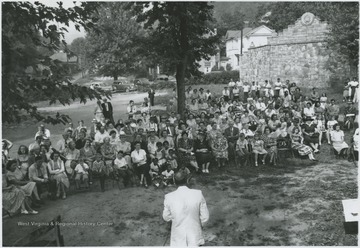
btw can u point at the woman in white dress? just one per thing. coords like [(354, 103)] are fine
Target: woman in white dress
[(338, 143), (98, 112)]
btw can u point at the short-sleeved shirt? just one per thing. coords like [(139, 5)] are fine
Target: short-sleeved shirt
[(120, 163), (81, 169)]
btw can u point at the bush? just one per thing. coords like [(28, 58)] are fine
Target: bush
[(228, 67), (222, 77)]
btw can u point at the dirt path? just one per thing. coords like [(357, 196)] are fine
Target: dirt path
[(289, 205)]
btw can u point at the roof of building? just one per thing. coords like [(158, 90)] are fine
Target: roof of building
[(232, 34), (258, 28), (62, 56)]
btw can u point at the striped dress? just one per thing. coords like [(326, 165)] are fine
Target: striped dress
[(301, 148)]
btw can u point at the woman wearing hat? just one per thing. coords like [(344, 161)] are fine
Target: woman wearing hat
[(202, 151), (311, 136)]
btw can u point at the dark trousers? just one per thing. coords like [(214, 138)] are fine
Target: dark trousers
[(152, 100), (109, 116), (101, 176), (246, 96), (126, 175)]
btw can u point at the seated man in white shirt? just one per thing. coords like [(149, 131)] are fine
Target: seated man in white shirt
[(138, 157), (99, 137), (43, 131)]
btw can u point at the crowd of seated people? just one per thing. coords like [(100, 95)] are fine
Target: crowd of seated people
[(245, 124)]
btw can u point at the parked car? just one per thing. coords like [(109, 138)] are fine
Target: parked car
[(162, 78), (142, 81), (100, 85), (123, 86)]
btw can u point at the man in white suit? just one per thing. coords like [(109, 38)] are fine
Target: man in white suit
[(187, 210)]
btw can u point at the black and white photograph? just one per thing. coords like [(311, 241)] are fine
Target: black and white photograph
[(170, 123)]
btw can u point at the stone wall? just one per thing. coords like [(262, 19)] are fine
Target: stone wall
[(298, 53)]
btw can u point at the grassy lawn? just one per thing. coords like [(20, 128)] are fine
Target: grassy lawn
[(297, 203)]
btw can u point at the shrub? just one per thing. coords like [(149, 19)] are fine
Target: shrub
[(222, 77), (228, 67)]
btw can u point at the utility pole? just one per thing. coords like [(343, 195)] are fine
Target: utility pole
[(241, 48)]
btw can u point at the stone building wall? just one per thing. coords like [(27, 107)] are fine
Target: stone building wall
[(298, 53)]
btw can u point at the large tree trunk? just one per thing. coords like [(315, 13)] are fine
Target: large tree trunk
[(180, 83), (182, 65)]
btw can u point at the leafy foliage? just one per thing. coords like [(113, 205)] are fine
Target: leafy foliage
[(115, 49), (222, 77), (29, 36), (179, 37), (79, 48)]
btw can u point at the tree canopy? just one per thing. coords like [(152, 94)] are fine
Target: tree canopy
[(180, 36), (29, 35), (115, 49)]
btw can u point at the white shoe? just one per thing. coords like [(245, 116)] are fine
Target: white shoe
[(24, 212), (33, 212), (203, 170), (256, 164)]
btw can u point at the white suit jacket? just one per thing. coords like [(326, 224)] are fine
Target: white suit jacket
[(187, 210)]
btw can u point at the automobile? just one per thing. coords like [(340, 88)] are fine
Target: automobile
[(163, 82), (165, 78), (100, 85), (142, 81), (123, 86)]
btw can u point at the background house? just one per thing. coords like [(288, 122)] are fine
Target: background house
[(71, 63), (252, 37)]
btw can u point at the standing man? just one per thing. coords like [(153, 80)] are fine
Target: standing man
[(277, 88), (352, 86), (107, 110), (151, 94), (232, 135), (187, 210)]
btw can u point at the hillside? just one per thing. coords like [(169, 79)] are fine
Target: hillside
[(250, 9)]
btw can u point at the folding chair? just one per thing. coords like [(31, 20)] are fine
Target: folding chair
[(284, 147)]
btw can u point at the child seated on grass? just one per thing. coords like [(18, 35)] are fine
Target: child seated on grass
[(155, 170), (171, 159), (82, 173), (168, 175)]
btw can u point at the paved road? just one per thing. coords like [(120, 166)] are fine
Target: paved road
[(24, 134)]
